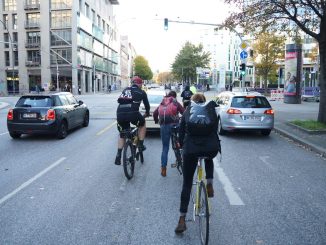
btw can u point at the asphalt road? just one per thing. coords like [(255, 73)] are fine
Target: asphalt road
[(268, 190)]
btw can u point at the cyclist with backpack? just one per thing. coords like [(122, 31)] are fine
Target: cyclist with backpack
[(167, 114), (186, 95), (199, 138), (128, 112)]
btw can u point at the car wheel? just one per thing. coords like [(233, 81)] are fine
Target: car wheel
[(266, 132), (86, 119), (14, 135), (62, 131), (220, 130)]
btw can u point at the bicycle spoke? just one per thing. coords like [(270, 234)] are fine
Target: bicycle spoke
[(203, 214)]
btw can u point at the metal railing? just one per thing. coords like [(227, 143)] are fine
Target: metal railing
[(31, 6), (32, 24), (32, 44), (33, 62)]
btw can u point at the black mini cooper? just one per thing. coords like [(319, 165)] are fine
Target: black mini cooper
[(47, 114)]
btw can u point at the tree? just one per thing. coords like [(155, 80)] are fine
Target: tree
[(286, 15), (186, 61), (142, 68), (165, 77), (269, 49)]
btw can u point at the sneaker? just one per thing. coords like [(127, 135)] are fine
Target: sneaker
[(117, 160), (210, 190), (181, 227), (163, 171), (141, 148)]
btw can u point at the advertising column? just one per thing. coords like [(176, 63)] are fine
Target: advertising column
[(293, 74)]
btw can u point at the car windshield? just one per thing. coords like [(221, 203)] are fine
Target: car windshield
[(34, 101), (250, 102), (155, 98)]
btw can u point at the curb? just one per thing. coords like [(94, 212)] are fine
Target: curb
[(297, 139), (306, 130)]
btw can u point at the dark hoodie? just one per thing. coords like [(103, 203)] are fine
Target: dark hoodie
[(186, 93)]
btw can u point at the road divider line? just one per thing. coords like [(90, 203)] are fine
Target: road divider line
[(4, 133), (106, 129), (30, 181), (231, 194)]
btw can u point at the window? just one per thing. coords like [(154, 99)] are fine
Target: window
[(99, 21), (72, 100), (7, 58), (14, 21), (5, 20), (33, 19), (80, 6), (64, 100), (65, 53), (61, 19), (34, 101), (61, 4), (6, 39), (15, 39), (34, 56), (10, 5), (103, 25), (33, 38), (16, 58), (58, 37), (87, 10), (93, 16)]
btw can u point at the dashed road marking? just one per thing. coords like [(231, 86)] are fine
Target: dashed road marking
[(30, 181), (4, 133), (231, 194)]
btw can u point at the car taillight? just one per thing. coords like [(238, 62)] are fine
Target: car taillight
[(269, 112), (10, 115), (50, 115), (233, 111)]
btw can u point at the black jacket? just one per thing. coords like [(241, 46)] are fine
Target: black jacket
[(130, 100), (200, 145)]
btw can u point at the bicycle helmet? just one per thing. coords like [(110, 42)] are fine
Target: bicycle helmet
[(137, 80)]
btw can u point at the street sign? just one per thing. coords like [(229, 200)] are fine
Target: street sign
[(243, 55), (243, 45)]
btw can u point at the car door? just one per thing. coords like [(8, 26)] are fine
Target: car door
[(68, 110), (78, 110)]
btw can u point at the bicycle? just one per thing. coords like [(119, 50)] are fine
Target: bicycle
[(177, 149), (200, 202), (131, 153)]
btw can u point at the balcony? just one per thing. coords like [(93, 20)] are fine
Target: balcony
[(32, 24), (32, 44), (33, 62), (32, 6)]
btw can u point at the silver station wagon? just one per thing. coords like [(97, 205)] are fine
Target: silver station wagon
[(244, 111)]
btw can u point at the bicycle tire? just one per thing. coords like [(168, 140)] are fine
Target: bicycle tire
[(203, 214), (179, 160), (128, 160)]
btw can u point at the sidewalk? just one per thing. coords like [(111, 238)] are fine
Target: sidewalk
[(284, 113)]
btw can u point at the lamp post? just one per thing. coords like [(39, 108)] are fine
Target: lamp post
[(13, 57)]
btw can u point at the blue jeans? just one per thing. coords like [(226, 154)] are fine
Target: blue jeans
[(165, 136)]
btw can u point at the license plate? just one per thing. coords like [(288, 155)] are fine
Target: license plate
[(29, 115), (256, 118)]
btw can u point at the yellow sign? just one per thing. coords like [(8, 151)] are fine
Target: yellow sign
[(243, 45)]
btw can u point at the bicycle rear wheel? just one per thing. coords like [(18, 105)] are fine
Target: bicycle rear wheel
[(128, 160), (203, 214), (178, 159)]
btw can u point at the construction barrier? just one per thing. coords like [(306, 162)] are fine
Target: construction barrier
[(277, 94)]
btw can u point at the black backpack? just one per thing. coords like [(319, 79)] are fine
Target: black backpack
[(202, 119)]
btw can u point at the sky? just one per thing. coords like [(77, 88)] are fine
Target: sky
[(142, 21)]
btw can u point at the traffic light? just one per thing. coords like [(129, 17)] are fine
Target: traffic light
[(243, 69), (166, 23)]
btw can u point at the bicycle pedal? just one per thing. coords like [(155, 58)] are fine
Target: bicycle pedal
[(173, 165)]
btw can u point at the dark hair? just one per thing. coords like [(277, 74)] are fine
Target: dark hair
[(173, 94)]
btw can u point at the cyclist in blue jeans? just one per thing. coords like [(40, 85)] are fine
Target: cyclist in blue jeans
[(167, 115)]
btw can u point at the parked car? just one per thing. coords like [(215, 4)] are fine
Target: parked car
[(154, 98), (244, 111), (47, 114)]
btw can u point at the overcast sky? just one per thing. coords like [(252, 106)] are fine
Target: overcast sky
[(142, 20)]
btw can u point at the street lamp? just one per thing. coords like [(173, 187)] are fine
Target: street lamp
[(13, 57)]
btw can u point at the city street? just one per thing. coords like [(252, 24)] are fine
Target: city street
[(268, 190)]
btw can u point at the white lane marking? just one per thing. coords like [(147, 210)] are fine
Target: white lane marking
[(4, 133), (231, 194), (264, 160), (30, 181), (107, 128)]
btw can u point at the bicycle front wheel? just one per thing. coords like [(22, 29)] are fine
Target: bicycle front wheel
[(178, 158), (128, 160), (203, 214)]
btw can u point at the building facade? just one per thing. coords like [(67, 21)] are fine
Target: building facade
[(58, 45)]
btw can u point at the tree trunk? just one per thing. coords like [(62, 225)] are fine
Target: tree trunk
[(322, 80), (265, 84)]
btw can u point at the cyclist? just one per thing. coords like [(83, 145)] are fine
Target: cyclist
[(167, 114), (128, 112), (194, 146), (186, 95)]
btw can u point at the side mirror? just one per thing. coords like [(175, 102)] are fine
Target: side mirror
[(80, 102)]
